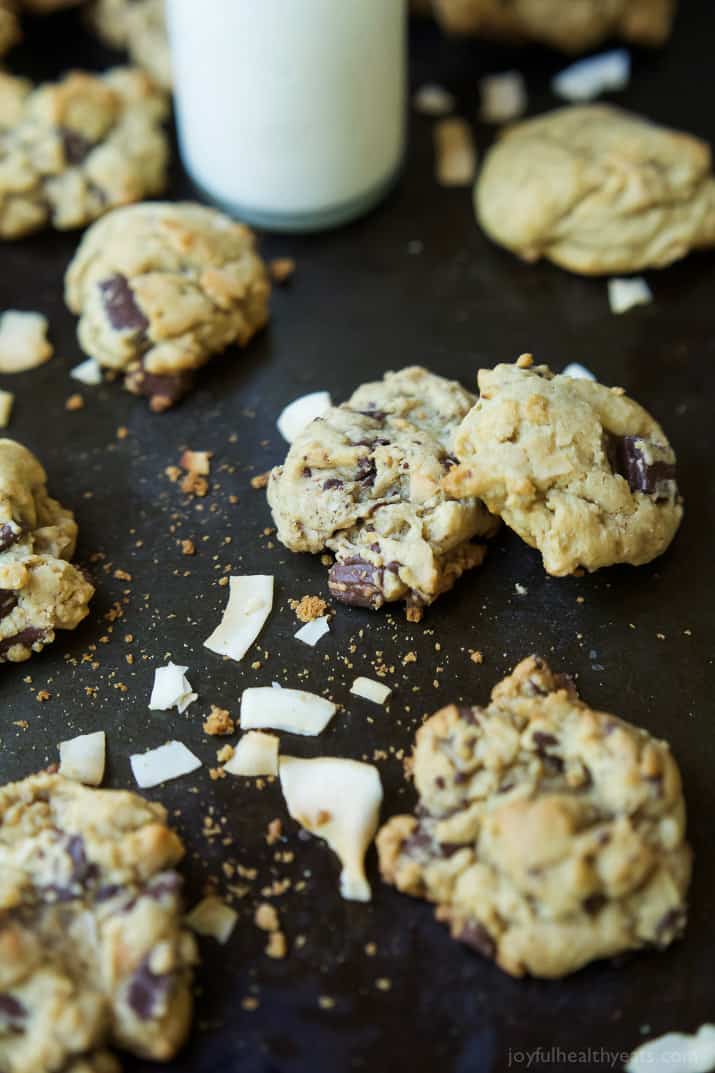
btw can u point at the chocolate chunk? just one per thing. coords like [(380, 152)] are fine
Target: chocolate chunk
[(27, 637), (147, 991), (542, 741), (627, 457), (9, 535), (419, 845), (439, 782), (449, 460), (476, 935), (466, 713), (670, 925), (373, 412), (356, 582), (366, 471), (163, 391), (332, 482), (594, 903), (76, 146), (11, 1009), (164, 883), (109, 890), (8, 602), (120, 306), (565, 681), (307, 471)]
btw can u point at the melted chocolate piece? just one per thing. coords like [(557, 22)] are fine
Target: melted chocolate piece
[(9, 535), (356, 582), (11, 1009), (366, 471), (163, 391), (418, 844), (670, 925), (307, 471), (628, 459), (82, 870), (374, 413), (476, 935), (594, 903), (109, 890), (8, 602), (76, 146), (542, 741), (332, 482), (120, 305), (147, 991), (26, 637)]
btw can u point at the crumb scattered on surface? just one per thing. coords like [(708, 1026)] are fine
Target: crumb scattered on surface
[(261, 480), (218, 722), (476, 656), (309, 607), (188, 547), (266, 917), (74, 402), (282, 269)]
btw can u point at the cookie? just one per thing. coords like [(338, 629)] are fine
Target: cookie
[(547, 834), (9, 26), (597, 190), (578, 470), (364, 481), (162, 287), (40, 590), (139, 26), (72, 150), (93, 951), (571, 27)]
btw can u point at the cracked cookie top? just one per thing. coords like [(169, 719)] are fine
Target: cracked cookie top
[(547, 833)]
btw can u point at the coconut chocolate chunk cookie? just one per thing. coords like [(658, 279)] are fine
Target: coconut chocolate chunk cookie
[(597, 190), (138, 26), (578, 470), (162, 287), (364, 481), (571, 27), (72, 150), (93, 952), (40, 590), (547, 834)]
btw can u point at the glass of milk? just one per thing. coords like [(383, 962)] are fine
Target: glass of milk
[(291, 113)]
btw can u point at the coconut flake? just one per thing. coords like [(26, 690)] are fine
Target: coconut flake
[(7, 400), (676, 1052), (83, 758), (624, 294), (311, 633), (169, 761), (87, 372), (299, 413), (369, 689), (433, 100), (587, 79), (250, 600), (503, 97), (338, 800), (577, 372), (456, 157), (23, 341), (171, 689), (292, 710), (213, 917), (255, 754)]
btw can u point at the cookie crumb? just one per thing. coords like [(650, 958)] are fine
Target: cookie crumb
[(282, 269), (309, 607), (456, 157), (525, 361), (261, 480), (277, 946), (218, 722), (74, 402), (274, 831), (326, 1002), (249, 1003), (266, 917), (42, 695), (476, 656), (6, 403), (188, 547)]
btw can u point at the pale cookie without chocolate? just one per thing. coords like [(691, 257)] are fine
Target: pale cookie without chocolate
[(72, 150), (597, 190), (162, 287), (578, 470), (40, 590), (364, 481), (572, 26), (547, 834), (93, 952), (139, 26)]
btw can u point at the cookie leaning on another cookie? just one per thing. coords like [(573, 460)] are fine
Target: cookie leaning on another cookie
[(549, 834), (162, 287), (364, 481), (40, 590), (140, 27), (597, 190), (578, 470), (93, 951)]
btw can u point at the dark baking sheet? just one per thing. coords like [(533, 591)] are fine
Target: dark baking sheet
[(362, 303)]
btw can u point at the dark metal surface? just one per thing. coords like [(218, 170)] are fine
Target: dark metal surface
[(361, 303)]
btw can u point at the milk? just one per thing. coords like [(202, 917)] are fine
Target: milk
[(291, 113)]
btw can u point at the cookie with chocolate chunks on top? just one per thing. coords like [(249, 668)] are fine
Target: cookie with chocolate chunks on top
[(547, 834), (93, 951), (580, 471), (364, 479)]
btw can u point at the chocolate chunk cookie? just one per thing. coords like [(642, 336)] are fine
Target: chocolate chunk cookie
[(160, 288), (548, 834), (597, 190), (92, 948), (138, 26), (72, 150), (572, 27), (364, 481), (40, 590), (578, 470)]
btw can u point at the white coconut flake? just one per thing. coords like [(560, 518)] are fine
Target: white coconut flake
[(676, 1052), (299, 413), (83, 758), (87, 372), (255, 754), (433, 100), (624, 294), (292, 710), (369, 689), (456, 157), (7, 400), (578, 372), (503, 97), (587, 79), (311, 633), (169, 761), (23, 341), (250, 600), (172, 689), (214, 918), (338, 800)]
